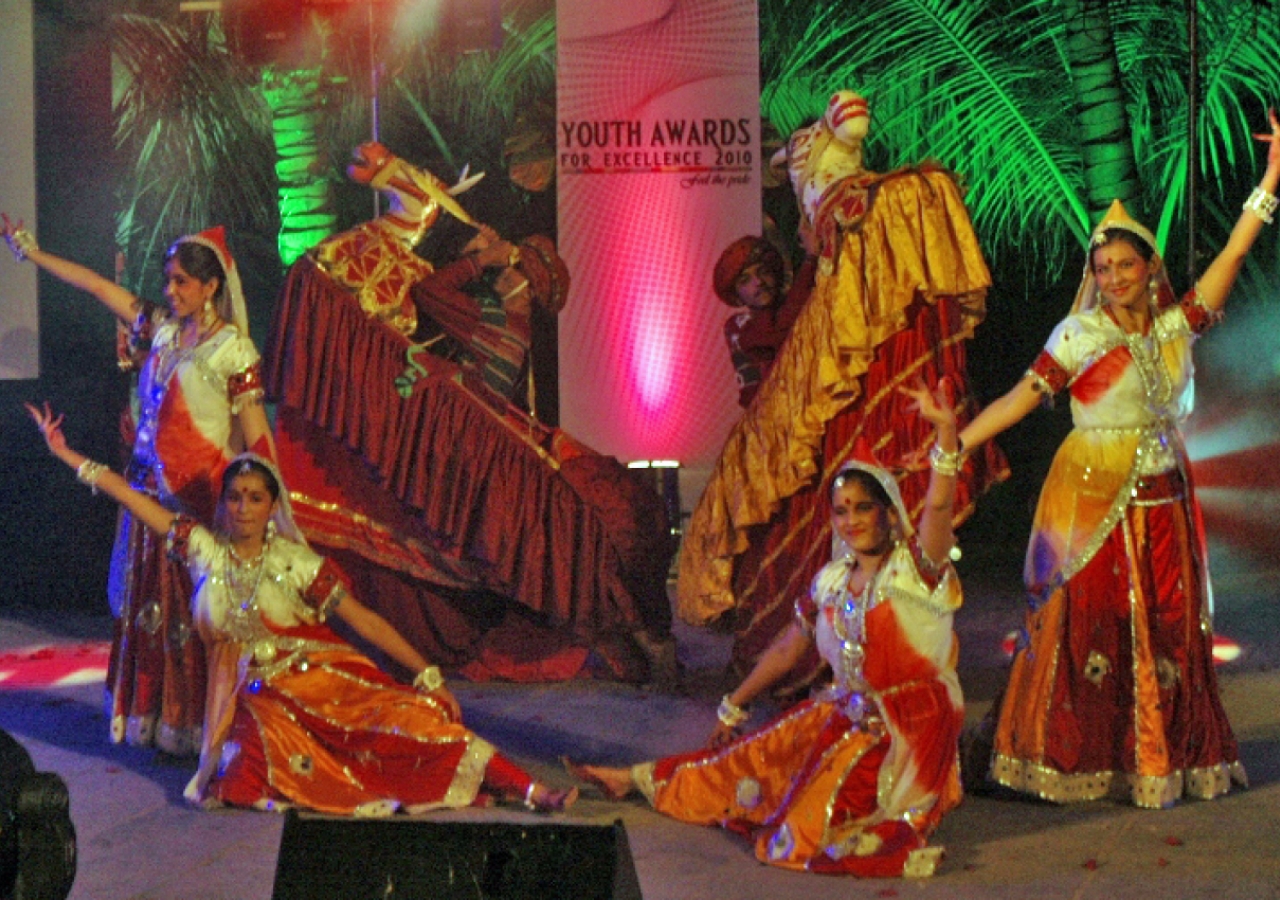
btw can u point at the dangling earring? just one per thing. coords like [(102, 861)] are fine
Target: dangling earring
[(209, 314), (272, 530), (1155, 292)]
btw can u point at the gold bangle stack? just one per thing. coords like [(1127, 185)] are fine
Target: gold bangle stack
[(730, 714), (945, 462), (429, 679), (21, 243), (88, 473), (1262, 203)]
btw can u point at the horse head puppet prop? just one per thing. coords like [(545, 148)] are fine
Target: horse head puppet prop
[(376, 259)]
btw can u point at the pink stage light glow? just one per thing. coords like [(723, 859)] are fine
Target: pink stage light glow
[(653, 358), (54, 665), (658, 162)]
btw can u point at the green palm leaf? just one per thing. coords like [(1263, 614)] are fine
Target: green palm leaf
[(987, 88), (1238, 74), (942, 84), (189, 124)]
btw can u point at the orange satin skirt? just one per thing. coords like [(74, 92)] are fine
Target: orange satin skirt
[(807, 788), (338, 735)]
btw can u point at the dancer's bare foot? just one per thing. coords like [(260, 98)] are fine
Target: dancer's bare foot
[(550, 800), (614, 783)]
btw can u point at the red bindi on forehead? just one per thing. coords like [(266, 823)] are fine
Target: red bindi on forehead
[(1114, 252)]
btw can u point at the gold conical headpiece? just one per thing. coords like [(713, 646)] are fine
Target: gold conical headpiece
[(1118, 217)]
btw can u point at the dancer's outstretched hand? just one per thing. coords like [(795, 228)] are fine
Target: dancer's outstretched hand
[(723, 736), (20, 241), (445, 698), (1272, 138), (936, 406), (50, 426)]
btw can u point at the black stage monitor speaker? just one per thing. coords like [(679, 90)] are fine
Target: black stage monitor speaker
[(37, 837), (326, 858)]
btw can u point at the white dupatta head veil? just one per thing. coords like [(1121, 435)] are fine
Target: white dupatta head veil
[(282, 517), (863, 460)]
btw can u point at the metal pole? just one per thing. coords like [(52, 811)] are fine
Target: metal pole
[(375, 126), (1193, 157)]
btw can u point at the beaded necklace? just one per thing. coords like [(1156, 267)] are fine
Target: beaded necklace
[(1149, 363), (849, 623), (171, 354), (242, 598)]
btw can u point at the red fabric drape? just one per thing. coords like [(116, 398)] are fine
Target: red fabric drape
[(579, 544)]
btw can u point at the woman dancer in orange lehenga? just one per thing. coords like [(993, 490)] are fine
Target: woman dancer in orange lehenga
[(296, 716), (854, 780), (900, 285)]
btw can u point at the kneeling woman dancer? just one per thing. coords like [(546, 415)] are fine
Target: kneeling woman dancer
[(854, 780), (295, 715)]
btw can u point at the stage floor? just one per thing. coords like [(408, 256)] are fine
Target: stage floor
[(139, 839)]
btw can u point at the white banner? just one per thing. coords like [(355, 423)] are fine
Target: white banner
[(658, 168), (19, 335)]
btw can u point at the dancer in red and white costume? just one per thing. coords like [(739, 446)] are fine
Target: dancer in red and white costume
[(200, 403)]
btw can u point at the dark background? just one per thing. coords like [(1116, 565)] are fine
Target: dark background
[(55, 541)]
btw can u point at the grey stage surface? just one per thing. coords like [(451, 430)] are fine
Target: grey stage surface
[(138, 839)]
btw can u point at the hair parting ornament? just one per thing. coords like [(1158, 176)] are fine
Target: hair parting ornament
[(882, 476), (863, 460), (282, 518)]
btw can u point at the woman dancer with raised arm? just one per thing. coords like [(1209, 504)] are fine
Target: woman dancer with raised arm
[(1112, 690), (200, 403), (296, 715), (854, 780)]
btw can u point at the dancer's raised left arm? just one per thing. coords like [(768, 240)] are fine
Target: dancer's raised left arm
[(938, 408), (1215, 284), (97, 476)]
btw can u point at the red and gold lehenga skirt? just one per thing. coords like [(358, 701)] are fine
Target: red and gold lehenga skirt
[(1115, 692), (327, 730), (155, 686)]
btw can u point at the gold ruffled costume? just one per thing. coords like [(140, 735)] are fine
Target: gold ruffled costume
[(892, 241)]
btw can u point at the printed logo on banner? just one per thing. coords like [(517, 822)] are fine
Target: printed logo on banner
[(707, 151)]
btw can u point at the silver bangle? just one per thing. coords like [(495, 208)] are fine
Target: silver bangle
[(945, 462), (88, 473), (730, 714), (429, 679), (21, 242), (1262, 203)]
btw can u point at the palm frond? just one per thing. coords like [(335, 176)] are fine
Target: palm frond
[(189, 123), (1237, 75), (943, 84)]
